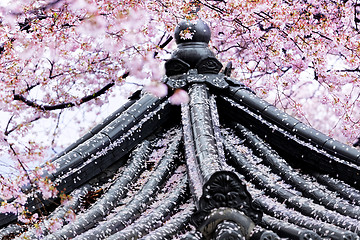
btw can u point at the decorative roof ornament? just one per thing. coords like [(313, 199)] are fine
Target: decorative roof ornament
[(192, 38), (194, 31), (193, 61)]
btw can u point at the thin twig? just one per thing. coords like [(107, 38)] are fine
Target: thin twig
[(7, 132), (54, 134), (18, 159)]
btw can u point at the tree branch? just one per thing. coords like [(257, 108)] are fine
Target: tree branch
[(349, 70), (7, 126), (85, 99), (7, 132), (19, 161), (55, 130), (163, 45)]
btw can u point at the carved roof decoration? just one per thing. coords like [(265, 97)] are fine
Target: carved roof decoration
[(226, 165)]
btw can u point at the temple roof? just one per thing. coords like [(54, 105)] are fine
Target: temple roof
[(226, 165)]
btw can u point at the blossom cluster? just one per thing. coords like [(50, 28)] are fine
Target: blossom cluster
[(61, 56)]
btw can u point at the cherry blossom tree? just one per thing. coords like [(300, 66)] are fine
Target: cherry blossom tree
[(60, 56)]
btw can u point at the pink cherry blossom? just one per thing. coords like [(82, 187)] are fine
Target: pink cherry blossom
[(156, 88), (70, 216), (186, 34), (54, 224), (180, 96)]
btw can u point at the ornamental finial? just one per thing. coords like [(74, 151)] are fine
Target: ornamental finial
[(192, 38), (192, 31)]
